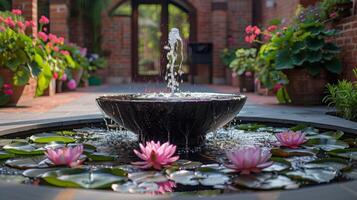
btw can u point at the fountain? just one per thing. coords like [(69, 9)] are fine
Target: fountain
[(180, 118)]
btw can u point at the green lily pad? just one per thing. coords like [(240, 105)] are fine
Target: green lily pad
[(37, 173), (290, 152), (265, 181), (12, 179), (279, 164), (5, 155), (344, 153), (250, 127), (187, 164), (23, 148), (184, 177), (83, 178), (213, 179), (28, 162), (44, 138), (4, 142), (328, 135), (327, 163), (326, 144), (314, 175), (147, 176), (133, 187), (96, 156)]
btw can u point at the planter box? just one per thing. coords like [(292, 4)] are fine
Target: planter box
[(305, 89), (21, 93), (51, 90)]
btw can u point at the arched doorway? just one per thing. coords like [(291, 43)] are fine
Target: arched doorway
[(151, 21)]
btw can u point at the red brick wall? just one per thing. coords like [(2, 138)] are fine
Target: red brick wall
[(347, 40), (29, 10), (116, 43), (283, 10), (59, 18)]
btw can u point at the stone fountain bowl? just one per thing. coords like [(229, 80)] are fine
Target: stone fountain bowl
[(183, 120)]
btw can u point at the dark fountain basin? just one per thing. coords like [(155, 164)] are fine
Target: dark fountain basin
[(183, 120)]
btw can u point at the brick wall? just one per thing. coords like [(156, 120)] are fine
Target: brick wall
[(59, 18), (347, 40), (282, 10)]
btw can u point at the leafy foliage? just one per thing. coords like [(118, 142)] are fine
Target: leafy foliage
[(343, 97), (244, 60)]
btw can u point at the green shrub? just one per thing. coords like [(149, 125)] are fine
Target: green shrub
[(343, 97)]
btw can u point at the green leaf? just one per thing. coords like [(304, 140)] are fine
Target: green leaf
[(299, 58), (314, 175), (265, 182), (313, 70), (5, 155), (344, 153), (334, 66), (290, 152), (331, 48), (51, 137), (283, 96), (314, 56), (82, 178), (284, 60), (298, 47), (328, 135), (22, 148), (326, 144), (315, 44), (4, 99), (27, 162)]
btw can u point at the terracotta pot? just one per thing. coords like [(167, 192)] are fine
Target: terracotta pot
[(51, 90), (246, 83), (21, 93), (305, 89)]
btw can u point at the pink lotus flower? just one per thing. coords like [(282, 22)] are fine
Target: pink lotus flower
[(16, 12), (69, 156), (291, 139), (44, 20), (249, 159), (165, 187), (72, 84), (156, 155), (43, 36)]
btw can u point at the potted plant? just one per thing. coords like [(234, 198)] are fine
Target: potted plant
[(244, 64), (300, 58)]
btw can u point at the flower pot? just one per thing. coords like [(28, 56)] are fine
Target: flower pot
[(305, 89), (21, 94), (246, 82), (59, 85), (51, 90), (77, 75)]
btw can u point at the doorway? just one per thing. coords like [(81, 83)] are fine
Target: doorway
[(151, 21)]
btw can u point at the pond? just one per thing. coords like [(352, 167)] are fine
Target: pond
[(327, 156)]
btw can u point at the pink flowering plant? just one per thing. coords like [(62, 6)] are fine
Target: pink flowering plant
[(291, 139), (249, 159), (6, 91), (155, 155), (65, 156)]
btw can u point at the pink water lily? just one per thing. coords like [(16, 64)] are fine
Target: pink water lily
[(69, 156), (249, 159), (291, 139), (165, 187), (155, 155)]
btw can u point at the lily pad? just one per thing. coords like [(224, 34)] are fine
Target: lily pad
[(250, 127), (184, 177), (5, 155), (131, 187), (327, 163), (314, 175), (291, 152), (4, 142), (23, 148), (44, 138), (82, 178), (213, 179), (12, 179), (187, 164), (147, 176), (28, 162), (279, 164), (97, 156), (37, 173), (344, 153), (328, 135), (265, 181), (326, 144)]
